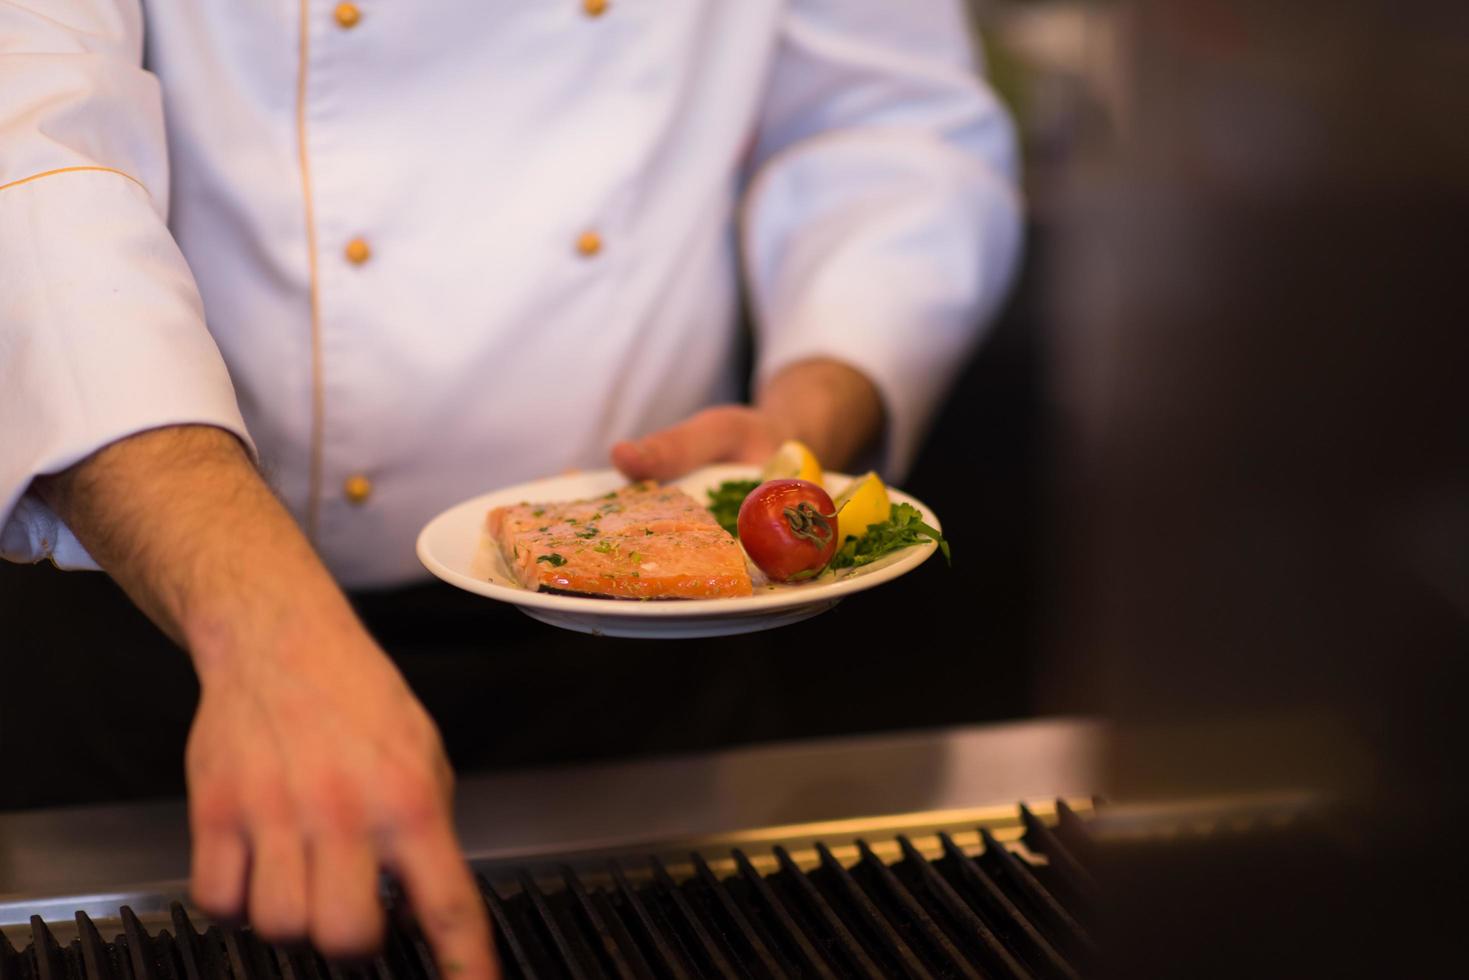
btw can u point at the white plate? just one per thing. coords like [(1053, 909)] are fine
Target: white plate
[(455, 547)]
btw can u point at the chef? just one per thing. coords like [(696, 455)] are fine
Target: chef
[(281, 280)]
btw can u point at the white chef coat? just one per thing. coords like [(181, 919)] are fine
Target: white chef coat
[(412, 250)]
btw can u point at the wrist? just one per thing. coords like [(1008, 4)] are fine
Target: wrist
[(830, 406), (297, 615)]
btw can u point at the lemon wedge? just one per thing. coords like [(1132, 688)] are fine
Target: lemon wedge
[(863, 502), (792, 460)]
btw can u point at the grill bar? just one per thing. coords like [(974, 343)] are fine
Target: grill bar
[(992, 905), (578, 965), (95, 958), (912, 910), (507, 937), (744, 929), (9, 959), (672, 961), (613, 950), (1068, 869), (717, 962), (942, 912), (402, 949), (812, 964), (141, 950), (892, 947), (816, 904), (961, 913), (1018, 875), (46, 953), (1071, 828)]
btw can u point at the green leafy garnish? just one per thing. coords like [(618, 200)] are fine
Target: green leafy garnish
[(606, 547), (903, 529), (725, 500), (553, 559), (590, 532)]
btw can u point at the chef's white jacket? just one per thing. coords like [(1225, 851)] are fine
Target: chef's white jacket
[(413, 250)]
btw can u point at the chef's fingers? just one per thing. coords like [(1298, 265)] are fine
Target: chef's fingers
[(445, 901), (722, 434), (220, 861), (277, 901), (627, 456), (345, 910)]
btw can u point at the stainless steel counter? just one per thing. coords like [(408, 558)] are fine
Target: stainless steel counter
[(53, 862)]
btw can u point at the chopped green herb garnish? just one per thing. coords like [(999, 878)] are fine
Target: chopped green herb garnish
[(725, 500), (590, 532), (606, 547), (544, 528), (553, 559), (572, 520), (610, 496), (538, 512), (635, 557), (647, 532), (903, 528)]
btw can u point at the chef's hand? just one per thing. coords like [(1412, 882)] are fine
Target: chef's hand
[(831, 407), (310, 764)]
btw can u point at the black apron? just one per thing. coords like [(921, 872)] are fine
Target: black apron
[(95, 702)]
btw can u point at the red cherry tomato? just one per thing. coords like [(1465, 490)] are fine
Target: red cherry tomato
[(788, 528)]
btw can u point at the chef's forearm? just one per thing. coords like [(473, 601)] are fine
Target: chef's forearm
[(831, 407), (183, 521)]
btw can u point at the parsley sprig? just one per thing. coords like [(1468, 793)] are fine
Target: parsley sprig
[(725, 500), (904, 528)]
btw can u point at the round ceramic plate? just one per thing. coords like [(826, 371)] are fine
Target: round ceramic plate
[(455, 547)]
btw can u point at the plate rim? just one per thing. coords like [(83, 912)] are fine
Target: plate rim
[(762, 602)]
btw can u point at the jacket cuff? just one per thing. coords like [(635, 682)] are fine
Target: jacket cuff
[(103, 336)]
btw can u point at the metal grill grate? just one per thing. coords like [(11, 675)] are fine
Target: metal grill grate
[(983, 912)]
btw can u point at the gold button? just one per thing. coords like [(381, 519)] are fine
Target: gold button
[(589, 244), (357, 251), (594, 8), (357, 489), (347, 14)]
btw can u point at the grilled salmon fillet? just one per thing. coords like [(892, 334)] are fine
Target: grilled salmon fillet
[(641, 542)]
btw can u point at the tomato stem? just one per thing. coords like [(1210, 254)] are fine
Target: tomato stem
[(809, 523)]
